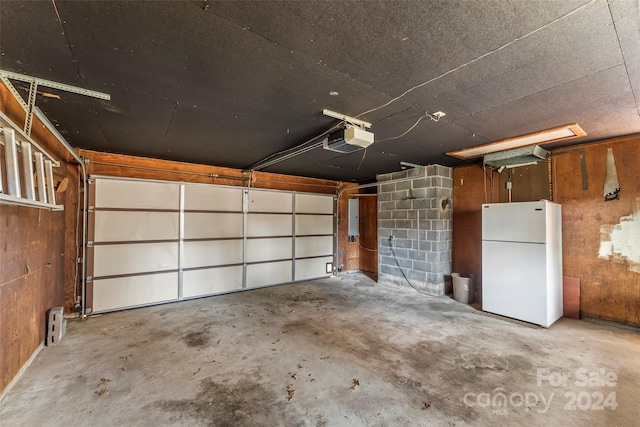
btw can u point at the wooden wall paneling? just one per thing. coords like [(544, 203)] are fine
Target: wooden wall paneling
[(609, 286), (346, 251), (468, 197), (35, 261), (571, 297), (529, 183), (119, 165), (368, 225)]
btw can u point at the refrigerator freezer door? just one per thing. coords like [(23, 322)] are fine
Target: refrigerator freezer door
[(514, 222), (514, 277)]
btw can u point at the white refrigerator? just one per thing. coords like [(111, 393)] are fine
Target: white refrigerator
[(522, 261)]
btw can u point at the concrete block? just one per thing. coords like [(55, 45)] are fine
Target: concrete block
[(421, 203), (384, 214), (417, 275), (425, 246), (387, 223), (400, 195), (404, 223), (422, 266), (399, 234), (391, 270), (419, 193), (402, 243), (384, 197), (403, 185), (399, 214), (404, 204), (387, 206), (421, 183), (387, 188), (56, 325)]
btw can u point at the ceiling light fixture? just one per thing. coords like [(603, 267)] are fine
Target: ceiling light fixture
[(556, 134)]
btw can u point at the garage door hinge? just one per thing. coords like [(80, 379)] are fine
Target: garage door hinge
[(79, 261), (89, 279), (90, 244)]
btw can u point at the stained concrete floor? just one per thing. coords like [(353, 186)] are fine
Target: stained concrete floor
[(337, 352)]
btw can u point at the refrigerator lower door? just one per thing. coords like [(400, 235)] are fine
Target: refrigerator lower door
[(514, 280)]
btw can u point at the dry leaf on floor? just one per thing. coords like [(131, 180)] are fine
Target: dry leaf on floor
[(124, 368), (276, 341), (295, 376), (300, 366), (198, 370), (290, 391), (356, 384), (103, 392), (127, 356), (324, 358), (103, 381), (426, 405)]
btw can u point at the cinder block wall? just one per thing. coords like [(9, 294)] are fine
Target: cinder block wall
[(414, 224)]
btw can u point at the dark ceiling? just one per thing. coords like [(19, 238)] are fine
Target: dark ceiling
[(230, 83)]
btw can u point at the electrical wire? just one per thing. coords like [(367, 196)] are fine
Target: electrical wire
[(283, 155), (362, 160), (402, 271), (405, 132), (367, 249), (491, 52)]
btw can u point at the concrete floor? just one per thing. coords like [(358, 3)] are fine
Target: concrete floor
[(337, 352)]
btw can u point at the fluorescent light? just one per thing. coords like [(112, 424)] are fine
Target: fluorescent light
[(546, 136)]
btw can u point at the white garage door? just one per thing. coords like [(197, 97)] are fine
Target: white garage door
[(153, 242)]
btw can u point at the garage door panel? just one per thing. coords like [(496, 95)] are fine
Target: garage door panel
[(314, 224), (113, 193), (205, 197), (264, 225), (116, 226), (151, 247), (211, 281), (270, 201), (212, 252), (111, 260), (269, 249), (314, 246), (312, 203), (312, 268), (268, 273), (122, 292), (198, 225)]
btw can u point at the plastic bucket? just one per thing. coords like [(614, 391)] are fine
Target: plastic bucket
[(463, 288)]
